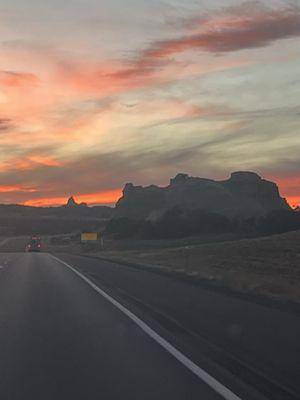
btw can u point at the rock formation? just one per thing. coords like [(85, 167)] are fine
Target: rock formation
[(71, 203), (244, 194)]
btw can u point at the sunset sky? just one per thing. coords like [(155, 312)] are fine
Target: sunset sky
[(96, 93)]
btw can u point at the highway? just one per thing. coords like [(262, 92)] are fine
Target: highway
[(80, 328)]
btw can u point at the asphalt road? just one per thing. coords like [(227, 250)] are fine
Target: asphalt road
[(60, 339), (256, 343)]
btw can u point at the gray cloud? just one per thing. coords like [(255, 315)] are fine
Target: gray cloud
[(246, 29), (246, 26), (100, 172)]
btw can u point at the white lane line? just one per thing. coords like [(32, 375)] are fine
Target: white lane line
[(203, 375)]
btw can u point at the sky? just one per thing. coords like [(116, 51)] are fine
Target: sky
[(95, 93)]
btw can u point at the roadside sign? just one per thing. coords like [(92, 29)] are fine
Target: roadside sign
[(89, 237)]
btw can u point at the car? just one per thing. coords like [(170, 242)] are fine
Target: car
[(34, 244)]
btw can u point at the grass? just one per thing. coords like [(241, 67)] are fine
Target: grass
[(268, 266)]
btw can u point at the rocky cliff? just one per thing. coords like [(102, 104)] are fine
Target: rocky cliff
[(243, 194)]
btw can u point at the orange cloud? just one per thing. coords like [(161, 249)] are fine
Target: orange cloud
[(28, 162), (17, 79), (12, 189), (105, 197), (44, 160)]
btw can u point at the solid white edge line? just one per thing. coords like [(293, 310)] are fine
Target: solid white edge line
[(222, 390)]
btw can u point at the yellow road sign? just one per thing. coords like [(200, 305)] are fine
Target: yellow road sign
[(89, 236)]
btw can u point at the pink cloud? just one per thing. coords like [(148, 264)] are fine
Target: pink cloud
[(17, 79), (235, 29)]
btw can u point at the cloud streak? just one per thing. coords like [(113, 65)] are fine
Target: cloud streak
[(17, 79), (233, 29), (227, 33), (5, 124)]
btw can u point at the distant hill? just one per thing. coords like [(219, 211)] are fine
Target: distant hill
[(71, 208), (244, 194), (22, 220)]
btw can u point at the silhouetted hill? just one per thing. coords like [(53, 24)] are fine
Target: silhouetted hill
[(79, 210), (18, 219), (244, 194), (71, 203)]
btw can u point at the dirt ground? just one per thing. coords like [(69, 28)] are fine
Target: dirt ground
[(268, 266)]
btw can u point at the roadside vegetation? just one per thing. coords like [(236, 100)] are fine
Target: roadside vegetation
[(266, 266), (177, 223)]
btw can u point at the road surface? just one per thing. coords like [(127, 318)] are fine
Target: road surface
[(258, 342), (61, 338)]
